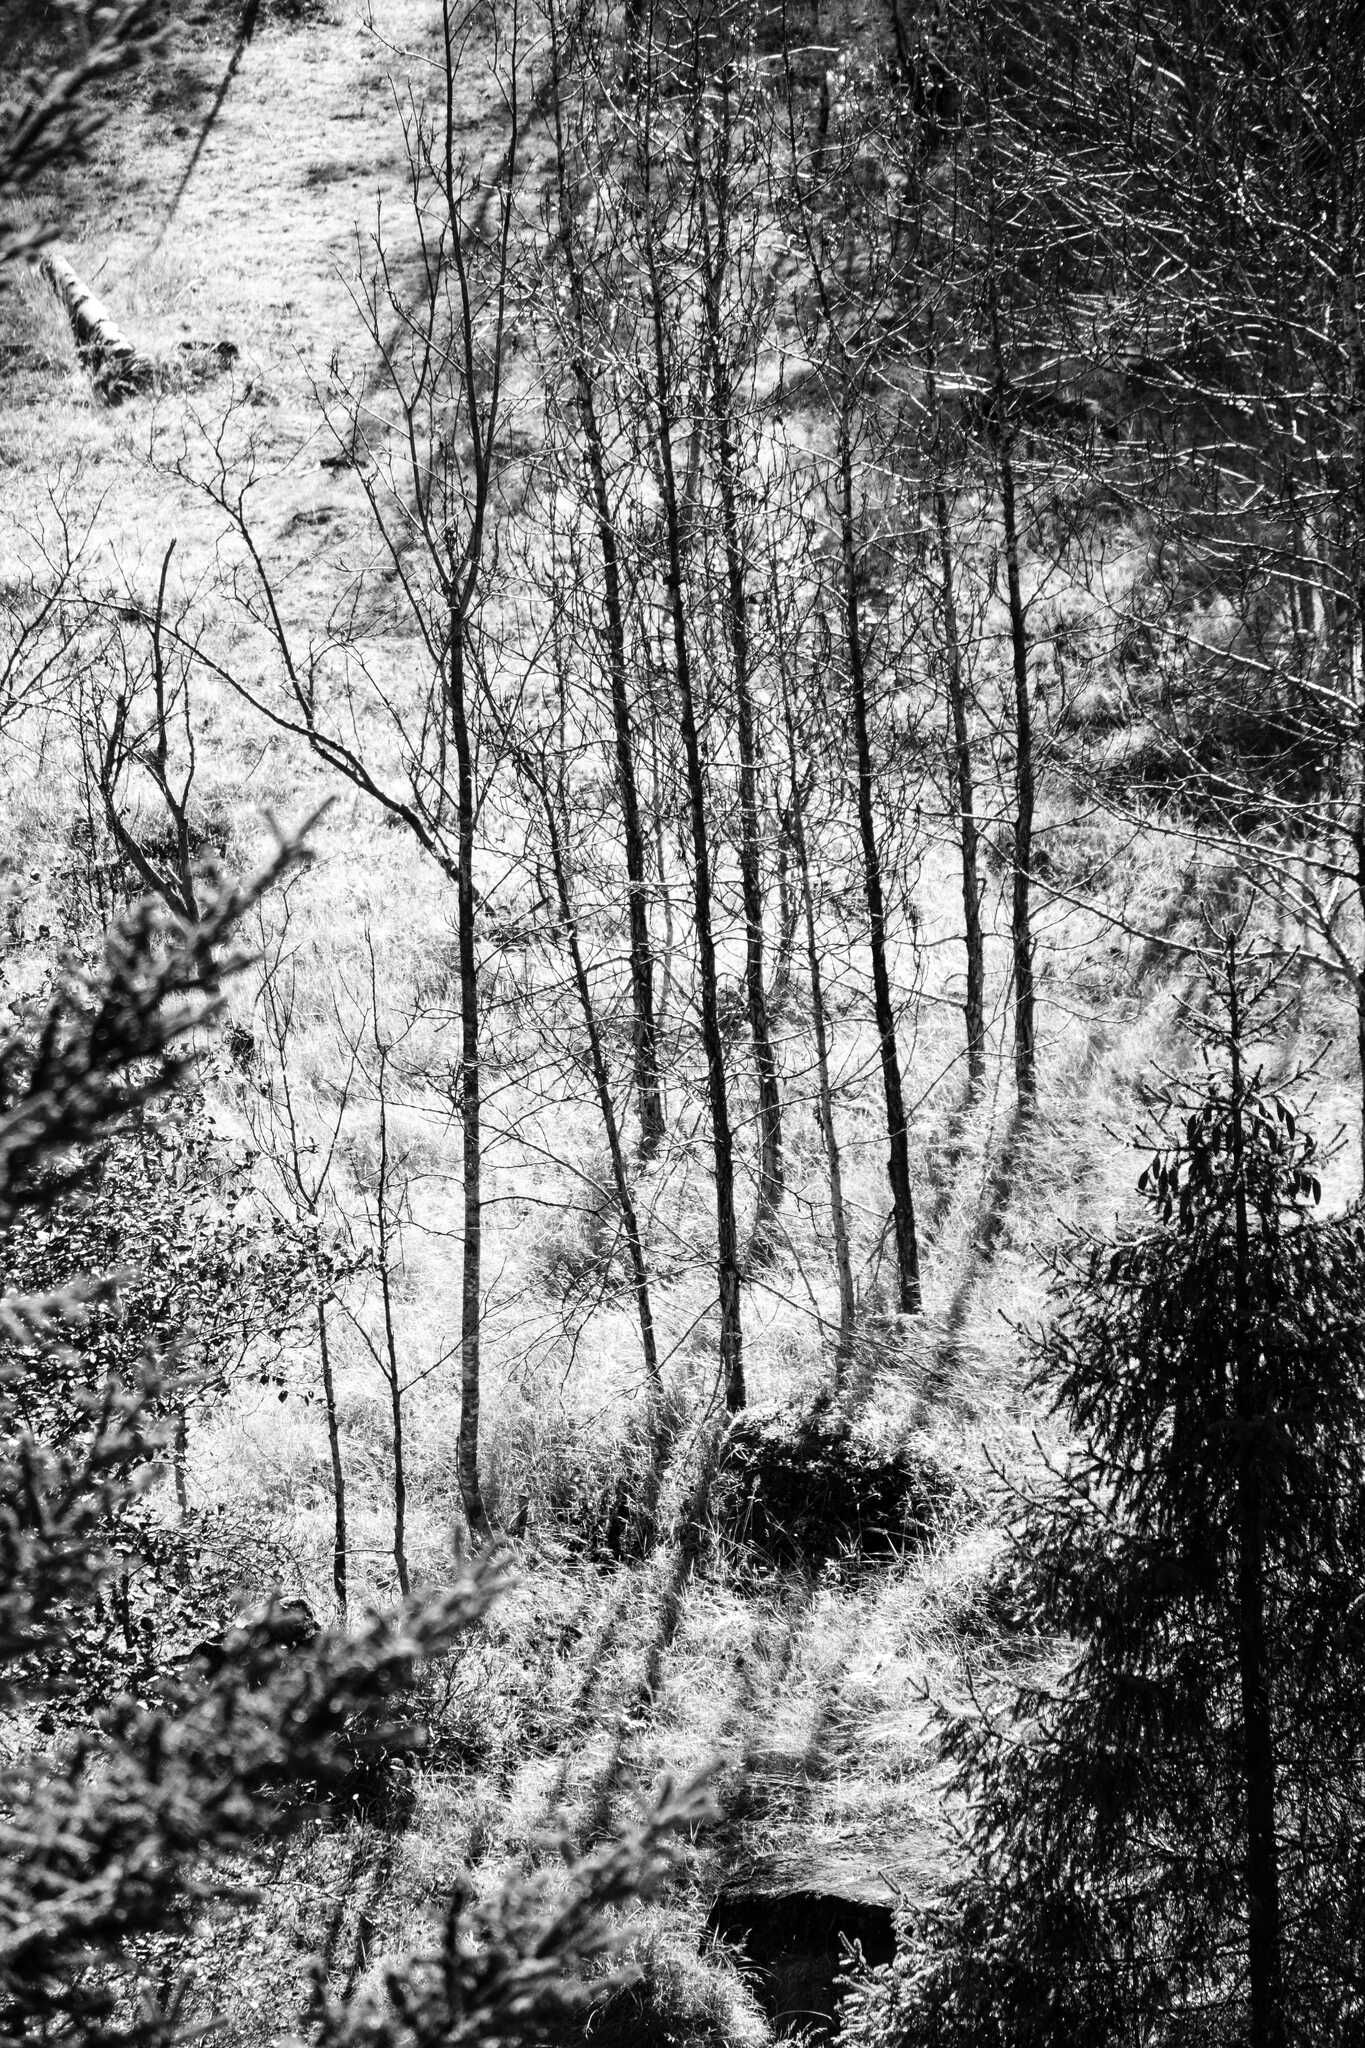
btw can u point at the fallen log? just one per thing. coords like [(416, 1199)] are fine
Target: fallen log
[(115, 366)]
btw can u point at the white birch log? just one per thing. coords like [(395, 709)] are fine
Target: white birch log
[(110, 357)]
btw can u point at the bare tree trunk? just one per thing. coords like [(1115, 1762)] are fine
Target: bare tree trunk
[(1021, 924), (1021, 918), (389, 1363), (470, 1098), (727, 1237), (630, 1222), (788, 915), (113, 362), (400, 1481), (843, 1263), (715, 252), (975, 1005), (461, 567), (400, 1471), (648, 1090), (334, 1451), (958, 708), (910, 1298)]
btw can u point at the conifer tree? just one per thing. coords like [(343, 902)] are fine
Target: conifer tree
[(1166, 1838)]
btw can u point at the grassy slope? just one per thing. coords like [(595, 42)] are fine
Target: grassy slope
[(589, 1682)]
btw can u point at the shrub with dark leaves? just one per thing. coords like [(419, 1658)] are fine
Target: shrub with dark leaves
[(800, 1488)]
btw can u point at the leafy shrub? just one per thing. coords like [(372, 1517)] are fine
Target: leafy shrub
[(200, 1282), (801, 1488)]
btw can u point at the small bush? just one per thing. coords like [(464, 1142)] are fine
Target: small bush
[(801, 1488), (673, 2000)]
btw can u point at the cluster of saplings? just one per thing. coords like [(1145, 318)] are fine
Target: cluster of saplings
[(763, 527), (795, 478), (1103, 262)]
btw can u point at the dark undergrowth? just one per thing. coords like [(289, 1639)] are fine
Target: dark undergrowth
[(803, 1488)]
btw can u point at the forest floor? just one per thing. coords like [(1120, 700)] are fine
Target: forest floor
[(809, 1693)]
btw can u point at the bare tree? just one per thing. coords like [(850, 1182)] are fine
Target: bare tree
[(42, 610), (725, 190), (884, 1009), (302, 1157), (958, 692), (540, 753), (834, 321), (660, 383), (1021, 908), (135, 714), (427, 435), (797, 797), (584, 293)]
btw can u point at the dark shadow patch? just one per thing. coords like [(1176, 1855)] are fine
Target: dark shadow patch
[(795, 1942), (687, 1548), (652, 2011)]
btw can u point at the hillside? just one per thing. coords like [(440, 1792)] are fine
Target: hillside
[(427, 322)]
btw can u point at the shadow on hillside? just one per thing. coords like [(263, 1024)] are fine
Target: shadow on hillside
[(823, 1751), (1161, 971), (405, 280), (593, 1650), (765, 1781), (761, 1675), (948, 1156), (579, 1716), (979, 1248), (622, 1634), (609, 1779)]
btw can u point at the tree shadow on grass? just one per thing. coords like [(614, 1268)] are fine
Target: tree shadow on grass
[(407, 280), (766, 1777), (948, 1158), (668, 1615), (979, 1249)]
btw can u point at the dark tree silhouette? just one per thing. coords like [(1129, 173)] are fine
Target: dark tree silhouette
[(1166, 1837)]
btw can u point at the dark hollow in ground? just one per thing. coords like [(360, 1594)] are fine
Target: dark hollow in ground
[(793, 1943)]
